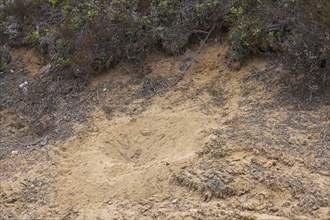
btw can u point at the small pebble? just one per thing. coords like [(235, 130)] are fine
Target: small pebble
[(273, 209), (315, 207), (44, 141), (174, 201)]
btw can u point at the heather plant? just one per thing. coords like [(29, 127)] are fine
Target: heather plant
[(86, 36)]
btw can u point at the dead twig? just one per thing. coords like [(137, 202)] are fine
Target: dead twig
[(205, 106), (98, 96), (187, 66), (70, 212)]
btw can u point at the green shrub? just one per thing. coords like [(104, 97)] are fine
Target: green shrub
[(3, 66), (94, 35)]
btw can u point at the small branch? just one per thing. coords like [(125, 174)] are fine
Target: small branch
[(205, 106), (194, 57), (97, 94), (199, 49)]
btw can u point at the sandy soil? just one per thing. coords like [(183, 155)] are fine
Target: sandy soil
[(217, 144)]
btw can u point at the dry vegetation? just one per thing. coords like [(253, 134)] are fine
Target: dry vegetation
[(80, 38)]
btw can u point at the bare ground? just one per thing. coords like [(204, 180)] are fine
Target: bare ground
[(208, 143)]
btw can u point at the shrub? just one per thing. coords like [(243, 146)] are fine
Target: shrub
[(84, 36)]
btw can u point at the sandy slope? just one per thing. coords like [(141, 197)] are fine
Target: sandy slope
[(157, 164)]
